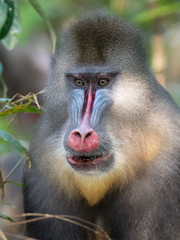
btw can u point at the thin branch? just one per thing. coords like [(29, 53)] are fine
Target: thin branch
[(14, 168), (5, 88), (17, 236), (41, 216), (3, 236)]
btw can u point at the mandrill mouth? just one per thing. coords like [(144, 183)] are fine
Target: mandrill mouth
[(87, 160)]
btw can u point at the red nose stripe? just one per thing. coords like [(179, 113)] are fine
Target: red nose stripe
[(84, 138)]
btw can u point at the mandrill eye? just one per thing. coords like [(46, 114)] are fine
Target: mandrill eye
[(103, 82), (79, 82)]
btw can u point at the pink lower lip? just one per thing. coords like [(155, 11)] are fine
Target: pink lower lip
[(74, 161)]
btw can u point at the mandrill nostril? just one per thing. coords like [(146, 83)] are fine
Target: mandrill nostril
[(77, 134), (88, 135)]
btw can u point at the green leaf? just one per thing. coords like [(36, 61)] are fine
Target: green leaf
[(20, 108), (157, 12), (5, 88), (15, 183), (1, 66), (6, 217), (9, 18), (3, 13), (40, 11), (14, 142), (32, 109), (11, 39)]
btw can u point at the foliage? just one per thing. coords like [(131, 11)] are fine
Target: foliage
[(10, 27), (38, 8), (6, 217), (23, 104), (10, 22), (159, 11), (8, 106)]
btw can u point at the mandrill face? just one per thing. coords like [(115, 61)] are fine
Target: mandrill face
[(106, 149), (101, 128), (87, 142)]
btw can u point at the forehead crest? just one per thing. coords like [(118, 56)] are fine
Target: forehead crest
[(95, 36)]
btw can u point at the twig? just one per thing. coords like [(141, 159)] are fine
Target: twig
[(14, 168), (17, 236), (5, 89), (41, 216), (12, 119), (3, 236)]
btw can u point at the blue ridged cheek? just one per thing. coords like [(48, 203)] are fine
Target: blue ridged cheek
[(102, 102), (76, 106)]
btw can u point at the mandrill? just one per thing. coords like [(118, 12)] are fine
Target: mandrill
[(107, 148)]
